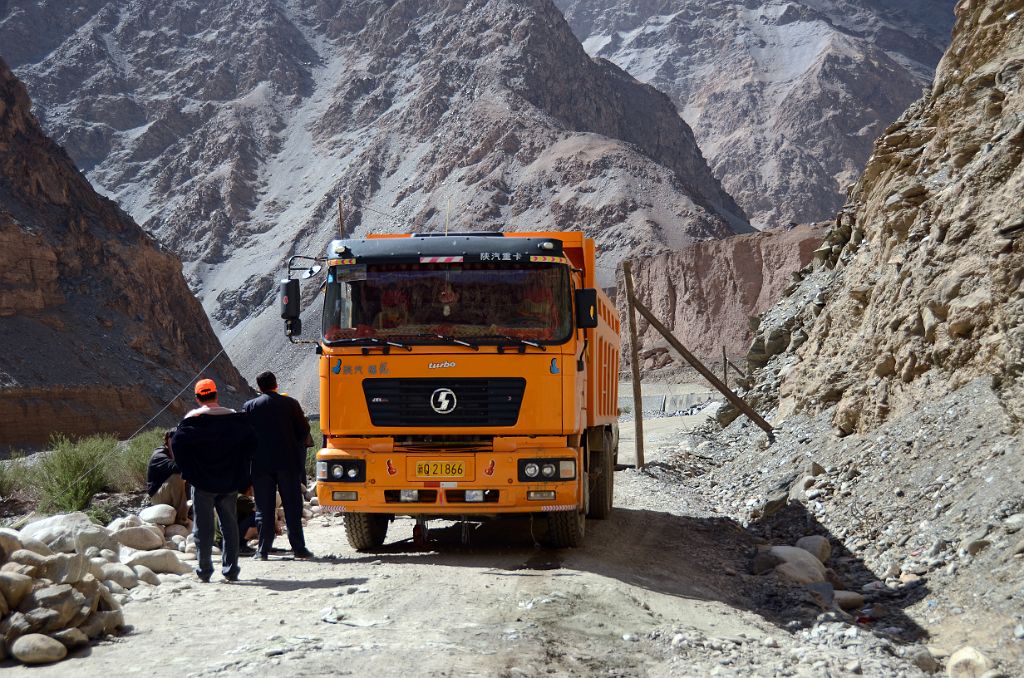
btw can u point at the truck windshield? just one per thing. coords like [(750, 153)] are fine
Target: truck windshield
[(436, 303)]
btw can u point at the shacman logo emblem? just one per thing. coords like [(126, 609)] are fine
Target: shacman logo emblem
[(443, 400)]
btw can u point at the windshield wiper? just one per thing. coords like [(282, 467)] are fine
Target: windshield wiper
[(450, 340), (372, 340), (521, 343)]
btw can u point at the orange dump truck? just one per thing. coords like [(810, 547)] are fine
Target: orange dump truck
[(465, 376)]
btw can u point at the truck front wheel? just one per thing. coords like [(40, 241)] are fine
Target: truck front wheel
[(566, 529), (366, 531)]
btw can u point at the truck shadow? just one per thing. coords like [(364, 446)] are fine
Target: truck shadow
[(702, 558)]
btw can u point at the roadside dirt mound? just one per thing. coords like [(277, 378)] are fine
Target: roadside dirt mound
[(98, 326)]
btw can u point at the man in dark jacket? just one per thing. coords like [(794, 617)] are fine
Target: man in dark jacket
[(164, 483), (278, 464), (213, 446)]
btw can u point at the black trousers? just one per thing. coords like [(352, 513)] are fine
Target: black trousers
[(265, 487)]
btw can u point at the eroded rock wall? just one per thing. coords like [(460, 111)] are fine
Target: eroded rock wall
[(921, 288), (98, 327), (706, 293)]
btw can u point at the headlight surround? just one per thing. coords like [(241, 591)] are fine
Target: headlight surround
[(546, 470), (345, 470)]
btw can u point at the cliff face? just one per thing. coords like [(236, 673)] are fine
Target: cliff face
[(922, 287), (98, 326), (785, 97), (706, 293)]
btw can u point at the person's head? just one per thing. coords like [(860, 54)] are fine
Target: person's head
[(266, 381), (206, 391)]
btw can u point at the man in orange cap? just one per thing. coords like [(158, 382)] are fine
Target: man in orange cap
[(213, 446)]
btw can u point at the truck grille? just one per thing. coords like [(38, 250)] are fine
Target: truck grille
[(414, 402)]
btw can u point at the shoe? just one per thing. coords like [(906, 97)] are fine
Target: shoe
[(303, 554), (246, 550), (259, 556), (232, 576), (203, 577)]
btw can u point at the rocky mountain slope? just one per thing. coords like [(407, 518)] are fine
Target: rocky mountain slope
[(907, 391), (99, 329), (785, 96), (707, 292), (230, 130)]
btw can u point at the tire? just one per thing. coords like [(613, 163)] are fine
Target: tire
[(566, 529), (604, 484), (366, 531)]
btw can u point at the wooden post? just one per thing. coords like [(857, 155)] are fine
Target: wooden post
[(725, 367), (638, 408), (697, 365), (341, 219)]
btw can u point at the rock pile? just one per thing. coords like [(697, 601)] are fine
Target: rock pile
[(63, 578)]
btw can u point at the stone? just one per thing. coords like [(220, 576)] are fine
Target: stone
[(29, 559), (64, 568), (35, 546), (93, 537), (122, 574), (160, 561), (110, 555), (102, 623), (798, 565), (967, 662), (10, 541), (35, 648), (159, 514), (849, 600), (62, 599), (765, 561), (57, 532), (14, 587), (822, 594), (977, 546), (168, 578), (72, 638), (172, 531), (127, 521), (15, 625), (814, 469), (89, 587), (817, 545), (923, 659), (113, 586), (147, 575), (141, 538)]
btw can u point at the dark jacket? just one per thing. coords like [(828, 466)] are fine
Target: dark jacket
[(214, 451), (281, 428), (161, 467)]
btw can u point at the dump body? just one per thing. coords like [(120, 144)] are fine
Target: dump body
[(458, 377)]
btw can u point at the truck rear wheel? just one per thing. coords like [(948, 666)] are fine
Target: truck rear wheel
[(604, 485), (366, 530)]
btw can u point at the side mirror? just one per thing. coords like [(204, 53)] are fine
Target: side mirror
[(586, 308), (290, 299)]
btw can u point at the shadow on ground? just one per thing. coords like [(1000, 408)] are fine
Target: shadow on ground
[(697, 558)]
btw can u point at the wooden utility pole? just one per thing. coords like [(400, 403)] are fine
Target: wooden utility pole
[(725, 367), (690, 358), (638, 409), (341, 218)]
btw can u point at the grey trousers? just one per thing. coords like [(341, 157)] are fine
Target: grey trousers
[(203, 505)]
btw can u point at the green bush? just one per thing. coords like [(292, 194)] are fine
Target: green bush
[(314, 430), (126, 468), (69, 476), (14, 476)]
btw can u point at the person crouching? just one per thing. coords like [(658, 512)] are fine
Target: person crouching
[(164, 483)]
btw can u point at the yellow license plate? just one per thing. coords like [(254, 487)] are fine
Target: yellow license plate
[(440, 469)]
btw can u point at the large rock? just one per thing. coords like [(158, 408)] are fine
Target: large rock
[(798, 565), (10, 541), (160, 561), (126, 521), (146, 575), (36, 546), (120, 573), (70, 606), (29, 559), (35, 648), (102, 623), (142, 538), (159, 514), (817, 545), (72, 638), (967, 662), (90, 587), (57, 532), (14, 587), (172, 531), (65, 568), (93, 536)]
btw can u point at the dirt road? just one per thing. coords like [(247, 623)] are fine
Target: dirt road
[(659, 589)]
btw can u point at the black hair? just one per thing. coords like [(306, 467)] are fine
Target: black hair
[(266, 381), (169, 433), (208, 398)]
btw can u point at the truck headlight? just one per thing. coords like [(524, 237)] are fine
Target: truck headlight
[(531, 470), (548, 470), (321, 470), (337, 472)]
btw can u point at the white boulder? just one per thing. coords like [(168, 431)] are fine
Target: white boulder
[(57, 532), (159, 514)]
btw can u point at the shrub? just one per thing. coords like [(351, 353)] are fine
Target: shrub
[(15, 476), (314, 430), (126, 467), (69, 476)]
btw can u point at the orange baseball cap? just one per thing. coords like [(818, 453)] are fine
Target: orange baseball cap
[(205, 387)]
